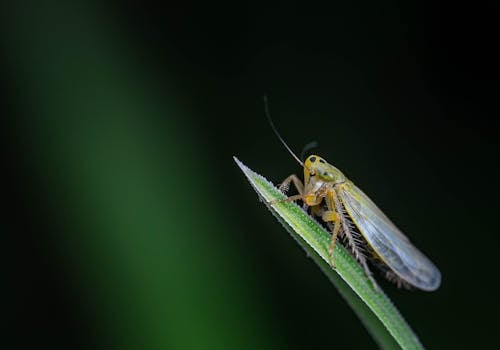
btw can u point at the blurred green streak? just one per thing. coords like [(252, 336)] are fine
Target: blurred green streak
[(123, 181)]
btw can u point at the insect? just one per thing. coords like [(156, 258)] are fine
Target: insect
[(351, 215)]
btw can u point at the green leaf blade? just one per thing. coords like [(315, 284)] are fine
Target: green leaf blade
[(379, 315)]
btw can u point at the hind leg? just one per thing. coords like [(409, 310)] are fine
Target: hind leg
[(333, 216)]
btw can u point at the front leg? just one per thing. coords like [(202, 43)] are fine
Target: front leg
[(285, 185), (308, 199)]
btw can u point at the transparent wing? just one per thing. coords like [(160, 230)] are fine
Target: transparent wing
[(388, 241)]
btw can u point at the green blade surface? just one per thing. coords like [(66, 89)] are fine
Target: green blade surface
[(375, 310)]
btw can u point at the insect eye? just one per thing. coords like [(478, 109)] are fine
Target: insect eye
[(312, 159), (322, 161)]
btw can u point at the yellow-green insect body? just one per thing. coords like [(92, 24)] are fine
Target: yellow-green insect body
[(367, 231), (349, 212)]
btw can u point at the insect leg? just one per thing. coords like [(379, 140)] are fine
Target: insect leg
[(332, 215), (285, 185), (335, 215), (353, 241)]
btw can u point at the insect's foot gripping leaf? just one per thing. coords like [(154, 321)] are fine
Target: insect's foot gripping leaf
[(331, 249), (284, 187), (332, 262)]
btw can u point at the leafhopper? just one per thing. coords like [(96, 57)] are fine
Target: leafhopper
[(352, 216)]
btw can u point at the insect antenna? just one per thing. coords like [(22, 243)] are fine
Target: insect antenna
[(268, 115)]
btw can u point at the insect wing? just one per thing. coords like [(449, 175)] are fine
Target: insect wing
[(388, 241)]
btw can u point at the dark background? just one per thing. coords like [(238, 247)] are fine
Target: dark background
[(129, 224)]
